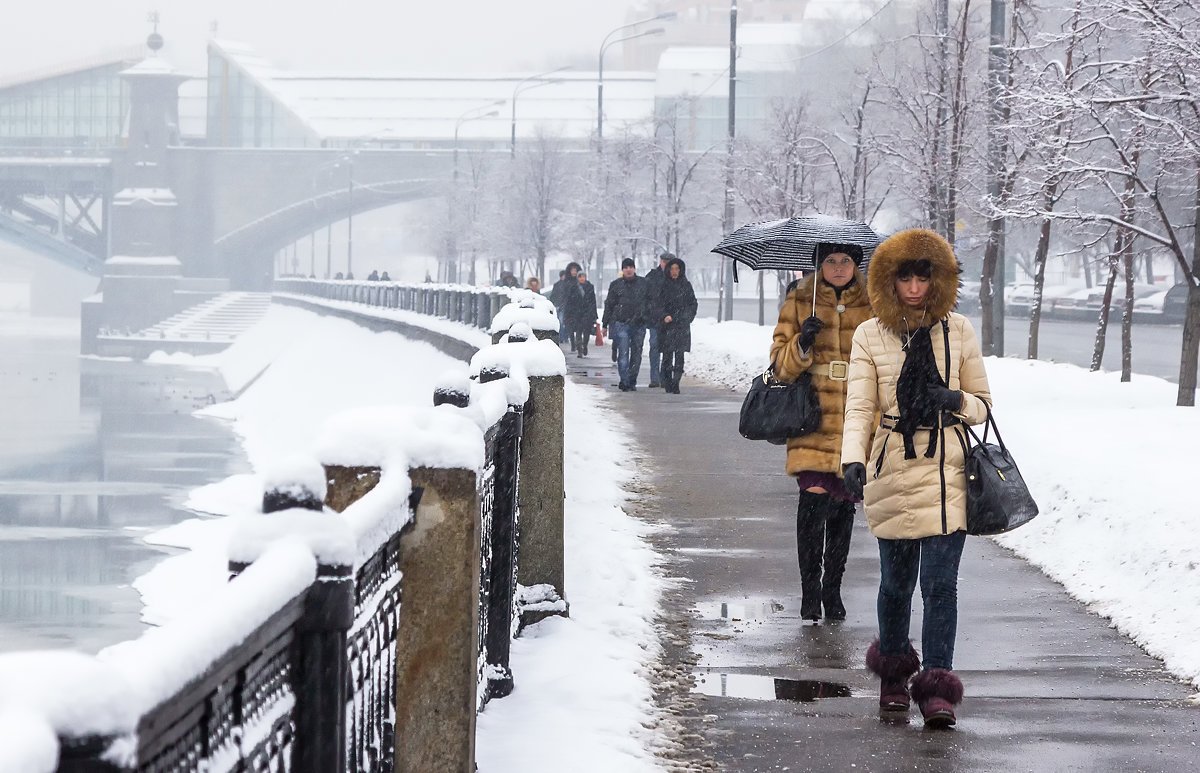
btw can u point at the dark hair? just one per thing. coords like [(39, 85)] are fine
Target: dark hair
[(908, 269)]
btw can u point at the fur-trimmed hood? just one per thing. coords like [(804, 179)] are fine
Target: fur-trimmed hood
[(912, 244)]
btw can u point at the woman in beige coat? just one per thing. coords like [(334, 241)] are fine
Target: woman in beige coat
[(814, 333), (917, 367)]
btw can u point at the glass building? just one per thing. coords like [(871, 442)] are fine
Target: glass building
[(83, 108)]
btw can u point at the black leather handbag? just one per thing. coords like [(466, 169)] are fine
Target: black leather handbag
[(997, 498), (775, 411)]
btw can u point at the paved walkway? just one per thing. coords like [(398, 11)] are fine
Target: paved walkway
[(1049, 687)]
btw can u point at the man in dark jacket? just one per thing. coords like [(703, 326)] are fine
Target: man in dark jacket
[(654, 283), (624, 310)]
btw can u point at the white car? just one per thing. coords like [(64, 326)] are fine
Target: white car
[(1019, 300), (1151, 306)]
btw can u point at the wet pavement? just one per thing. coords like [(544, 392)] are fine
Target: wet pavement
[(1049, 686), (94, 455)]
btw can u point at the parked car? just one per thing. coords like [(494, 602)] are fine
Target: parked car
[(1018, 300), (1150, 308), (1175, 304), (1078, 304), (968, 298), (1117, 305)]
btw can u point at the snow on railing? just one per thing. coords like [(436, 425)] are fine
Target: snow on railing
[(301, 661)]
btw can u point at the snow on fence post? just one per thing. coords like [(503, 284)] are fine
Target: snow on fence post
[(529, 307)]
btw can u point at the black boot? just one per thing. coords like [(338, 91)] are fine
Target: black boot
[(810, 545), (838, 527)]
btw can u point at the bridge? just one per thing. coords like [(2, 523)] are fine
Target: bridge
[(152, 179)]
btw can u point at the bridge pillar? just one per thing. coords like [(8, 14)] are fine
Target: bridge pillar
[(143, 272)]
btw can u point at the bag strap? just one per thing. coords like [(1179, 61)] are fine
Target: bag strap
[(988, 424)]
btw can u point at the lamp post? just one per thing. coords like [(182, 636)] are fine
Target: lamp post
[(727, 278), (604, 46), (527, 84), (467, 116), (350, 218)]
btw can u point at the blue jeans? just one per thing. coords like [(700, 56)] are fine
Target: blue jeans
[(935, 560), (655, 356), (564, 334), (629, 340)]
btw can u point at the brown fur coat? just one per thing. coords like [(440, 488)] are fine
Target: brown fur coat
[(820, 451)]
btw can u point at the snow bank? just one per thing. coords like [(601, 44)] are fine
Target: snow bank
[(1107, 463), (471, 335), (582, 682), (312, 368), (27, 744)]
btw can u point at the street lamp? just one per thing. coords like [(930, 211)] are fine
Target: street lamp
[(604, 44), (348, 162), (467, 116), (600, 70), (532, 82)]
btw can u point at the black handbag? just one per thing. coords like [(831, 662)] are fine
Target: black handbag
[(997, 498), (775, 411)]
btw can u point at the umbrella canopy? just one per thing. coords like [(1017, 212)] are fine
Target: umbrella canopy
[(791, 243)]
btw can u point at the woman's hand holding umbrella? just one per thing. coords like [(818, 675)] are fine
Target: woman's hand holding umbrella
[(808, 332)]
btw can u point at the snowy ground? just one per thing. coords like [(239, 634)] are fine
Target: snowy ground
[(582, 694), (582, 699), (1107, 463)]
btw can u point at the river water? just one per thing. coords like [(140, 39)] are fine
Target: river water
[(94, 455)]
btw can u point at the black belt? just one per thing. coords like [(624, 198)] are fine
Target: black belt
[(948, 420)]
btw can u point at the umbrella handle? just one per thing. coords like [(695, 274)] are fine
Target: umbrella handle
[(816, 278)]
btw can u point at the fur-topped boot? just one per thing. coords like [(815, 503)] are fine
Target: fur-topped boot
[(894, 672), (937, 691)]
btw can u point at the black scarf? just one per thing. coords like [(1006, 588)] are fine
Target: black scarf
[(918, 373)]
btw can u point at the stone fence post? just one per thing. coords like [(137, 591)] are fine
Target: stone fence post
[(437, 642), (542, 491)]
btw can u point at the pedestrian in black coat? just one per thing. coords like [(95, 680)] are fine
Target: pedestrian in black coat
[(566, 283), (676, 310), (654, 282), (581, 313)]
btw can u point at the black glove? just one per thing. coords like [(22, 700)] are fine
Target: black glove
[(808, 332), (854, 477), (946, 399)]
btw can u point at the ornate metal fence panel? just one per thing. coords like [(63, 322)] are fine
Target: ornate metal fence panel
[(487, 506), (502, 569), (240, 717), (371, 644)]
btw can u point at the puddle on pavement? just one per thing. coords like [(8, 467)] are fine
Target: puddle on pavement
[(739, 610), (767, 688)]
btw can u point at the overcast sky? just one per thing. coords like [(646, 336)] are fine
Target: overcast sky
[(436, 35)]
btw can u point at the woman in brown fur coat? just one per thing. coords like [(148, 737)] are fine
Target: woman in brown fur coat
[(916, 374), (814, 336)]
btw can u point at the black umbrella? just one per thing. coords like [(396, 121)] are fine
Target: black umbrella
[(791, 243)]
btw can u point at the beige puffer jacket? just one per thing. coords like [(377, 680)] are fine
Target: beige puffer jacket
[(921, 497), (821, 450)]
